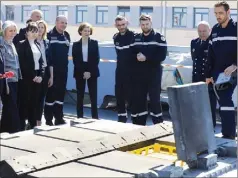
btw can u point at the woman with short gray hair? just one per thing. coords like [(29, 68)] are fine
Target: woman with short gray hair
[(10, 121)]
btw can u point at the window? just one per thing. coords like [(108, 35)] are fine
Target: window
[(102, 14), (62, 10), (146, 10), (179, 16), (81, 14), (26, 13), (9, 12), (200, 14), (124, 11), (234, 14), (46, 12)]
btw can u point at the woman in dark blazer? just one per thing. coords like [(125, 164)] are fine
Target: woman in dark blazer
[(32, 69), (85, 54)]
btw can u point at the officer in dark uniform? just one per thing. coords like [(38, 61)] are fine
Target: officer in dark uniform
[(149, 50), (59, 42), (222, 57), (122, 41), (199, 52)]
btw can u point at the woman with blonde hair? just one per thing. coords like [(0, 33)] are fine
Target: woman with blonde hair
[(86, 57), (48, 77), (10, 121)]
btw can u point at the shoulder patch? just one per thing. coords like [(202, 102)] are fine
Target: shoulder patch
[(115, 35), (22, 41), (214, 35), (137, 39), (162, 38), (53, 38)]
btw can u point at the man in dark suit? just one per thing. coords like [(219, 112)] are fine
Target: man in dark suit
[(36, 15)]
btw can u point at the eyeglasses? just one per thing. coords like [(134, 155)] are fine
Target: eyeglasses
[(33, 31)]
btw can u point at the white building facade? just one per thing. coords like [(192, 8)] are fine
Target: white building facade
[(177, 16)]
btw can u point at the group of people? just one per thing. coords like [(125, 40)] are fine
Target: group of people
[(213, 53), (29, 56), (39, 61), (139, 71)]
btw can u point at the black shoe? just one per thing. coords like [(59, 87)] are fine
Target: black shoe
[(229, 137), (49, 123), (79, 116), (157, 120), (122, 119), (60, 122), (28, 126)]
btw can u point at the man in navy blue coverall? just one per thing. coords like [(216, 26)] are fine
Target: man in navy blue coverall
[(222, 57)]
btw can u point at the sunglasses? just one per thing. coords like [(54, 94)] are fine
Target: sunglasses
[(33, 30)]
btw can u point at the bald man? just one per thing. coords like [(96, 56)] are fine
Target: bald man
[(36, 15), (59, 42), (199, 53)]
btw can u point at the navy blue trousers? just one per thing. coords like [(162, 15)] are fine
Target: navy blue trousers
[(144, 84), (55, 97), (122, 93), (227, 111)]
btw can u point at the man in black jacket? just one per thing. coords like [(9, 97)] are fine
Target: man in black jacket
[(149, 50), (122, 41), (35, 16), (222, 58)]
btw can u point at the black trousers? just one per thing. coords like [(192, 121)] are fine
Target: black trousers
[(227, 111), (10, 121), (154, 90), (1, 85), (92, 87), (139, 110), (29, 95), (55, 97), (122, 93), (144, 84), (44, 89)]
